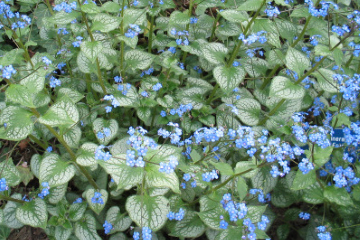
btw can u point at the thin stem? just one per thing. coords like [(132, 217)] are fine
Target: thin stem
[(6, 198), (68, 149), (37, 141), (151, 34), (214, 27), (122, 44)]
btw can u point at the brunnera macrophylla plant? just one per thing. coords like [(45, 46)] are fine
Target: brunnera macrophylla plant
[(161, 119)]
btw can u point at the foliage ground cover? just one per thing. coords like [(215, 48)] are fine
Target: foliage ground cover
[(162, 119)]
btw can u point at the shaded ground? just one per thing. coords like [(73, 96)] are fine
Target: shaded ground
[(28, 233)]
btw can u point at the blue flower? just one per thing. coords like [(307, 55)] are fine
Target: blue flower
[(3, 185), (304, 215), (107, 227)]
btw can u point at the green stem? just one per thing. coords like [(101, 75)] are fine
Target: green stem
[(37, 141), (212, 94), (6, 198), (68, 149), (214, 27), (122, 44), (151, 34)]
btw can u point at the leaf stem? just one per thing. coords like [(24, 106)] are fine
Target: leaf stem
[(6, 198)]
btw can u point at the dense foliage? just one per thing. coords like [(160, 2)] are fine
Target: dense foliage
[(165, 119)]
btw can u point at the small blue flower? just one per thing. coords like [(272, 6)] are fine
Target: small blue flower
[(49, 149), (107, 227)]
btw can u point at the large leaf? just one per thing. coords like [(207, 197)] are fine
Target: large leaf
[(248, 111), (86, 154), (105, 23), (99, 124), (91, 49), (148, 211), (337, 195), (137, 59), (18, 123), (154, 178), (190, 226), (61, 114), (20, 94), (124, 176), (96, 207), (283, 87), (297, 61), (33, 213), (214, 52), (10, 172), (85, 229), (72, 136), (303, 181), (234, 15), (326, 80), (229, 78), (119, 221), (57, 194), (55, 171), (10, 219)]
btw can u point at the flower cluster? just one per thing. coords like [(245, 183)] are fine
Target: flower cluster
[(100, 154), (114, 102), (340, 30), (132, 31), (209, 176), (147, 72), (3, 185), (304, 215), (305, 166), (78, 200), (7, 71), (170, 166), (345, 177), (19, 21), (271, 11), (157, 87), (140, 145), (320, 11), (124, 88), (174, 136), (54, 82), (97, 198), (107, 227), (261, 197), (106, 132), (182, 40), (323, 234), (349, 87), (255, 37), (45, 191), (181, 109), (78, 41), (146, 234), (178, 216), (66, 7), (236, 210)]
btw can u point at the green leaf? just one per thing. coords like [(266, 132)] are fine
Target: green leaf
[(72, 136), (4, 232), (61, 114), (111, 7), (86, 154), (224, 168), (14, 56), (234, 15), (134, 16), (55, 171), (230, 233), (303, 181), (35, 81), (326, 81), (195, 156), (210, 210), (86, 229), (63, 18), (57, 194), (144, 113), (248, 111), (9, 210), (214, 52), (179, 18), (255, 212), (337, 195), (25, 174), (90, 8), (124, 176), (84, 64), (119, 221), (131, 99), (99, 124), (137, 59), (76, 211), (322, 155), (20, 94), (154, 178), (283, 231), (229, 78), (190, 226), (96, 207), (245, 167), (264, 180), (72, 94), (251, 5), (242, 187), (283, 87), (10, 172), (33, 213), (148, 211), (91, 49), (297, 61), (105, 23), (62, 233), (19, 123), (314, 194)]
